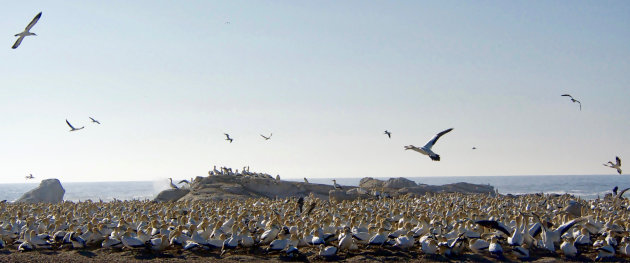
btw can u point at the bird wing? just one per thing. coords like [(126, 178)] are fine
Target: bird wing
[(184, 181), (579, 103), (17, 42), (436, 137), (618, 160), (72, 127), (567, 95), (620, 194), (33, 22), (495, 225), (94, 120), (227, 135)]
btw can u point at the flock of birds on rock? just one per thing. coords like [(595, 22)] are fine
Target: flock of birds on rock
[(446, 225)]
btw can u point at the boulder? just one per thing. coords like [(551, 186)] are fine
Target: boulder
[(48, 191), (341, 195), (399, 182), (171, 195), (369, 182)]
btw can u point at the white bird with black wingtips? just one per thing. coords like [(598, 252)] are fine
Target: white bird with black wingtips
[(72, 128), (616, 165), (426, 149), (26, 31)]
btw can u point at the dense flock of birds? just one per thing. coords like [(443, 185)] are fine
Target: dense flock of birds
[(441, 225)]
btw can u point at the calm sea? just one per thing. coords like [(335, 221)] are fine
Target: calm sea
[(585, 186)]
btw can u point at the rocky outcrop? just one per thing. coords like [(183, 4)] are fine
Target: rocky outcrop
[(171, 195), (48, 191), (369, 182), (399, 182), (242, 187)]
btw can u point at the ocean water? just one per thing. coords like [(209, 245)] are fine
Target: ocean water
[(585, 186)]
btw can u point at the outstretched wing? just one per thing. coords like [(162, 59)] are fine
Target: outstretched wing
[(17, 42), (620, 194), (227, 136), (567, 95), (579, 103), (33, 22), (436, 137), (494, 225), (618, 160), (71, 127)]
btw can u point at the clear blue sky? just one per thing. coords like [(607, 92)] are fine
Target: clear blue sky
[(168, 78)]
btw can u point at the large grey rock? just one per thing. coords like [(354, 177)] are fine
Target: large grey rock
[(399, 182), (171, 195), (48, 191), (573, 208), (369, 183)]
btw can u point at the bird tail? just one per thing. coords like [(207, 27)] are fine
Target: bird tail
[(435, 157)]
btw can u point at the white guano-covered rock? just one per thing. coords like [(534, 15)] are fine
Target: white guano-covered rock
[(48, 191)]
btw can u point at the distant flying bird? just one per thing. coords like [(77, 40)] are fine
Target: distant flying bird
[(389, 134), (474, 148), (572, 99), (426, 149), (93, 120), (267, 138), (72, 127), (26, 31), (30, 176), (228, 138), (615, 165)]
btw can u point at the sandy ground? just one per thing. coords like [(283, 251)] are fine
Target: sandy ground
[(259, 255)]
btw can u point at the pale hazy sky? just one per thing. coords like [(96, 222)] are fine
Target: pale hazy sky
[(168, 78)]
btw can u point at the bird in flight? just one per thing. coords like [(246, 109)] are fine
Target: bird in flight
[(228, 138), (389, 134), (267, 138), (72, 128), (426, 149), (26, 32), (615, 165), (93, 120), (573, 100), (474, 148), (30, 176)]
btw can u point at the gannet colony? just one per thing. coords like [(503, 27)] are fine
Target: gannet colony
[(378, 223)]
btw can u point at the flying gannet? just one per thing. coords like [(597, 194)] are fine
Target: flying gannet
[(389, 134), (95, 121), (72, 128), (267, 138), (26, 32), (426, 149), (228, 138), (573, 100), (615, 165), (30, 176)]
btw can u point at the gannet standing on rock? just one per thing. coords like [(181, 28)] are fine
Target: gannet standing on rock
[(337, 186), (172, 184), (26, 32), (615, 165), (426, 149)]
